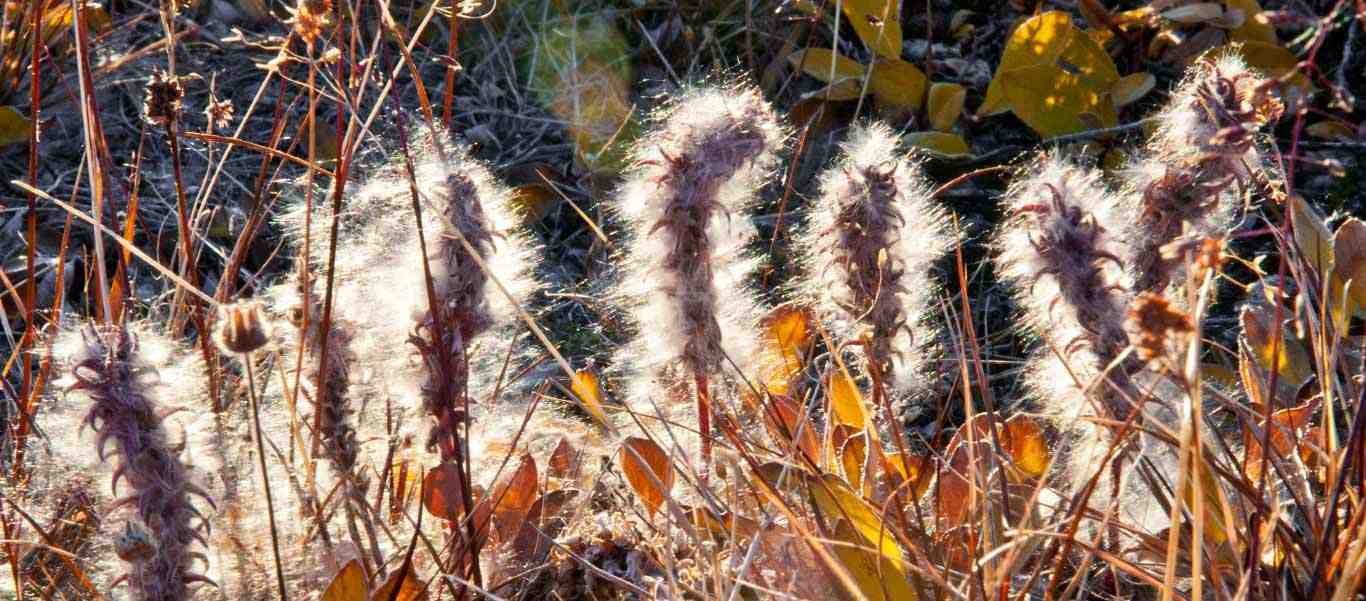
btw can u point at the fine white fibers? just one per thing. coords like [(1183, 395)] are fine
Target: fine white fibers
[(868, 248), (686, 203)]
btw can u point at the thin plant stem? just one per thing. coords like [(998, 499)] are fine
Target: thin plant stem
[(265, 476)]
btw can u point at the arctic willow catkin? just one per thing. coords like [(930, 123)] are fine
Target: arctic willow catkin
[(687, 203), (107, 370), (1192, 173), (872, 238)]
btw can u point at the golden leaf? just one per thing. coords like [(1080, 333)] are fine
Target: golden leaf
[(917, 471), (837, 501), (786, 338), (1132, 87), (348, 584), (14, 126), (826, 65), (1052, 101), (898, 83), (1039, 40), (1023, 439), (1256, 26), (588, 389), (648, 470), (1285, 435), (946, 104), (401, 585), (937, 143), (853, 454), (444, 492), (877, 23), (877, 578), (845, 400), (1272, 348)]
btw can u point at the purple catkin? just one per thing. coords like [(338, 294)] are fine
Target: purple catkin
[(1192, 172), (122, 412), (872, 238), (328, 390), (686, 201), (1059, 253)]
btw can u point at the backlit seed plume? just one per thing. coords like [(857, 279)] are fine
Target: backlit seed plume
[(1195, 168), (872, 237), (380, 290), (687, 205), (109, 372), (1059, 253)]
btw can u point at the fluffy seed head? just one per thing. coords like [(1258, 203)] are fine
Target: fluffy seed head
[(109, 373), (1059, 253), (873, 235), (1195, 167), (686, 203)]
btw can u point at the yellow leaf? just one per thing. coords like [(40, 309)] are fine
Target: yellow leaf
[(1052, 101), (1039, 40), (898, 83), (787, 335), (918, 472), (826, 65), (877, 23), (588, 389), (1312, 236), (845, 400), (1256, 26), (14, 126), (876, 577), (1024, 442), (1272, 348), (946, 103), (348, 584), (648, 470), (1349, 262), (837, 501), (1132, 87), (854, 457), (938, 143)]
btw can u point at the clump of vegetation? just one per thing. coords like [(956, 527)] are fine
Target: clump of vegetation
[(1143, 354)]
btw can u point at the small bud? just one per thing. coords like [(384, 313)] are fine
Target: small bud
[(241, 329)]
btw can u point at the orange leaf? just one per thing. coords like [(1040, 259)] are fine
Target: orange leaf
[(648, 470), (1024, 441), (1284, 432), (588, 389), (404, 588), (564, 460), (788, 423), (513, 498), (787, 336), (444, 492), (348, 584), (845, 400)]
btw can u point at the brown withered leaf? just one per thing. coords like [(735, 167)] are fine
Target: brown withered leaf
[(348, 584), (401, 585), (564, 460), (513, 498), (648, 470), (444, 492), (788, 425), (543, 517)]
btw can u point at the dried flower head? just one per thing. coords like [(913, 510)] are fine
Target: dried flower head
[(1197, 165), (108, 371), (1159, 326), (686, 201), (310, 18), (162, 103), (872, 238), (219, 113), (241, 328)]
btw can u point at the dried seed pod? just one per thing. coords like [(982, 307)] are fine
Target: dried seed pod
[(872, 238), (161, 104), (241, 328)]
